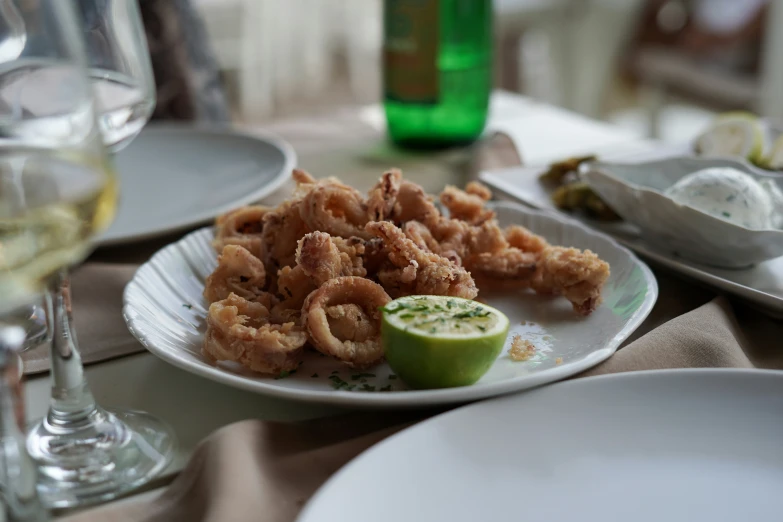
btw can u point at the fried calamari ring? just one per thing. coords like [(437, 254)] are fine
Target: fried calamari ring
[(293, 285), (244, 227), (358, 344), (239, 330), (337, 209), (283, 227), (238, 272)]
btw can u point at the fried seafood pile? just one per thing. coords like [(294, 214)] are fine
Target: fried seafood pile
[(316, 269)]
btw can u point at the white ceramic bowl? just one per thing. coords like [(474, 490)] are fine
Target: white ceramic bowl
[(635, 191)]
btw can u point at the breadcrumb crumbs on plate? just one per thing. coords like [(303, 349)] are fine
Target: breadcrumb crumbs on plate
[(559, 360), (521, 349)]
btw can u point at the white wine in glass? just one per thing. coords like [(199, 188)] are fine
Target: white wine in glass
[(51, 206)]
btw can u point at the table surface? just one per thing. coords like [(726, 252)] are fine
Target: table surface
[(194, 406)]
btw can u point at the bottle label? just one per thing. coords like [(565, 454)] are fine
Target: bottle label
[(410, 54)]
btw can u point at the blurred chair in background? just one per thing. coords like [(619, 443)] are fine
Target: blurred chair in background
[(187, 76), (569, 50), (724, 54)]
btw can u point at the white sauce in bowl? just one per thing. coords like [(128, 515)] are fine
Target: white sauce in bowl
[(728, 194)]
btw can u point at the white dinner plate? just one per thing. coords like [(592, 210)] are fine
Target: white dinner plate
[(173, 177), (165, 311), (673, 445)]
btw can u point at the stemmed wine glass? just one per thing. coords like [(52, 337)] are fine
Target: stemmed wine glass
[(85, 453)]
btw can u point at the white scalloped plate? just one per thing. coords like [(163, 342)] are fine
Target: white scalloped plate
[(165, 311)]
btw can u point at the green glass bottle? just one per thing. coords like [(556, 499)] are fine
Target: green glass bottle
[(437, 70)]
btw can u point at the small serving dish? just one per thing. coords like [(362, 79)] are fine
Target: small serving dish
[(636, 192)]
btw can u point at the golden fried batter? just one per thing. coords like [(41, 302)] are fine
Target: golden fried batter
[(465, 206), (239, 330), (417, 272), (576, 275), (383, 196), (242, 227), (358, 344), (238, 272)]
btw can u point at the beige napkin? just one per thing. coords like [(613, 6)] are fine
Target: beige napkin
[(263, 471)]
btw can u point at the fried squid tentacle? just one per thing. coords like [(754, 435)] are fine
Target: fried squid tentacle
[(577, 275), (323, 257), (477, 188), (319, 258), (414, 204), (383, 196), (342, 319), (488, 254), (283, 227), (416, 271), (523, 239), (465, 206), (239, 330)]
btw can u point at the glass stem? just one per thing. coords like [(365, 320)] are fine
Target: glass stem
[(72, 402), (18, 472)]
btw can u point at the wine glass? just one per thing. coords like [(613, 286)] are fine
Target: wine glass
[(83, 452), (124, 89), (119, 67)]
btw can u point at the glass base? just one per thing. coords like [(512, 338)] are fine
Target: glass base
[(101, 458)]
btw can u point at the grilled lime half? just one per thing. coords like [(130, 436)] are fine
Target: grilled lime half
[(440, 341)]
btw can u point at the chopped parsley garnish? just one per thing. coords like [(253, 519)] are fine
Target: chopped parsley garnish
[(467, 314), (405, 306), (338, 383), (284, 374), (189, 307), (386, 388), (482, 328), (367, 387), (357, 376), (726, 214)]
